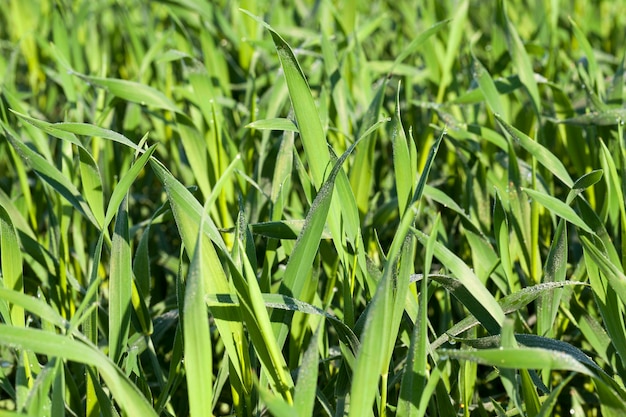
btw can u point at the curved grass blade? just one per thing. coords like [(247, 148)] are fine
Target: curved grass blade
[(509, 304), (401, 159), (188, 214), (614, 274), (555, 271), (557, 207), (34, 305), (283, 302), (541, 154), (413, 386), (547, 407), (127, 395), (132, 91), (595, 75), (487, 86), (475, 296), (519, 358), (53, 177)]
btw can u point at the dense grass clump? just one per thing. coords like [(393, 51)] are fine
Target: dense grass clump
[(307, 208)]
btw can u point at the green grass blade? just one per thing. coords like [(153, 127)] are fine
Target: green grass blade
[(555, 270), (120, 285), (370, 363), (92, 184), (614, 273), (474, 294), (197, 340), (557, 207), (547, 407), (487, 87), (132, 91), (546, 158), (452, 48), (306, 385), (11, 266), (262, 336), (281, 124), (308, 241), (189, 214), (41, 342), (126, 182), (519, 358), (508, 304), (314, 138), (412, 391), (33, 305), (401, 159), (54, 178), (593, 70), (520, 58), (283, 302), (68, 130)]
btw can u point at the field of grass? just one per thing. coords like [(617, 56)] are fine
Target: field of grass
[(328, 208)]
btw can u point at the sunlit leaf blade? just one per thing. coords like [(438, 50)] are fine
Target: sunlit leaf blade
[(120, 285), (370, 364), (555, 271), (197, 339), (520, 57), (543, 155), (11, 268), (308, 241), (614, 274), (401, 159), (50, 174), (125, 183), (283, 302), (603, 118), (67, 130), (519, 358), (487, 86), (306, 386), (124, 392), (188, 214), (33, 305), (313, 136), (508, 304), (472, 292), (557, 207), (413, 386), (92, 184), (132, 91), (273, 124)]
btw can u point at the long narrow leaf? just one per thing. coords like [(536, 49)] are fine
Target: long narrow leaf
[(125, 392)]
